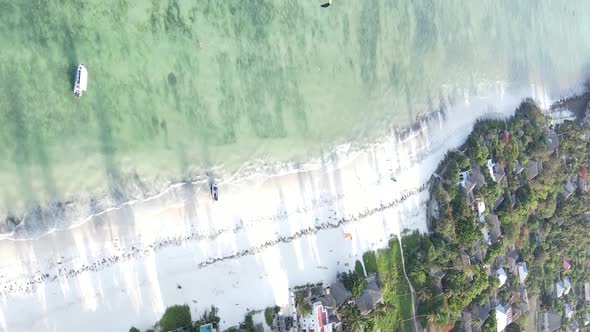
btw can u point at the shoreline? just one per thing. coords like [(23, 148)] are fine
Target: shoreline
[(260, 168), (78, 211), (281, 231)]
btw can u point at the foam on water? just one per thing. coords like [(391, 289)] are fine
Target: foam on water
[(266, 80), (419, 141)]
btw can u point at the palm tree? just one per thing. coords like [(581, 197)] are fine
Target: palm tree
[(384, 306), (468, 269), (356, 324), (353, 319), (424, 294), (447, 293), (379, 312), (437, 318), (432, 318)]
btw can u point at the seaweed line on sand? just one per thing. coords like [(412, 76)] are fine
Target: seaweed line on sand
[(25, 284)]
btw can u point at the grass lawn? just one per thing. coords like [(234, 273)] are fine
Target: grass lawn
[(396, 292), (370, 261)]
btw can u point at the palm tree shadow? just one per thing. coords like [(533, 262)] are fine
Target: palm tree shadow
[(108, 150), (71, 55)]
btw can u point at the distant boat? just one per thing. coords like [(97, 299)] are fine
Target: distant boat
[(327, 4), (214, 192), (81, 80)]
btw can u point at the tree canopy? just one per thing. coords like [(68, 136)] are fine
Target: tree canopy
[(175, 317)]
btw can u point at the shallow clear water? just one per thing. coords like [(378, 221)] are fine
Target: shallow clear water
[(176, 87)]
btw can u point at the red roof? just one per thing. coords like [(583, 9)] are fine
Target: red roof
[(321, 318), (448, 328), (566, 264)]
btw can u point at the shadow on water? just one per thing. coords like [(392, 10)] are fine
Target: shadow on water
[(368, 37), (46, 167), (409, 104), (228, 105), (518, 71), (39, 21), (19, 130), (586, 75), (264, 102), (427, 31), (29, 153), (71, 55), (108, 149)]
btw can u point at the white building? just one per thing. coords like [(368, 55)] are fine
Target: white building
[(502, 277), (317, 320), (463, 177), (569, 311), (503, 316), (567, 285), (496, 172), (559, 289), (523, 271), (481, 209), (490, 165)]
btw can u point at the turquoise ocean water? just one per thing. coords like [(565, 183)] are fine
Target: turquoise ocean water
[(180, 87)]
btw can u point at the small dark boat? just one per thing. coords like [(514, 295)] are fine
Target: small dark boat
[(214, 191), (327, 4)]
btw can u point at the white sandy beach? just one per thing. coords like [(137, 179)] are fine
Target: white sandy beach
[(264, 235)]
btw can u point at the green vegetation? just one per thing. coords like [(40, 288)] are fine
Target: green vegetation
[(208, 317), (354, 281), (179, 316), (490, 324), (358, 268), (395, 313), (248, 324), (354, 321), (303, 308), (448, 268), (370, 262), (269, 314), (396, 293), (175, 317)]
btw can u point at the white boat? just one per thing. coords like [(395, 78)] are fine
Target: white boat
[(81, 81)]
